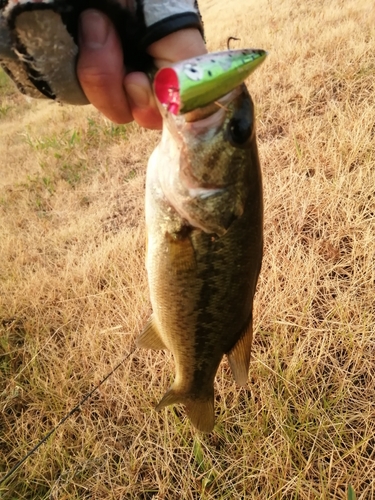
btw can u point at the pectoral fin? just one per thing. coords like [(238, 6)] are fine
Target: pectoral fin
[(200, 411), (150, 338), (239, 356), (182, 253)]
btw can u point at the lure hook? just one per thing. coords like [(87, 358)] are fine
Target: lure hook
[(229, 40)]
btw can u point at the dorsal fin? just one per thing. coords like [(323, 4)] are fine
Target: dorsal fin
[(150, 337), (239, 356)]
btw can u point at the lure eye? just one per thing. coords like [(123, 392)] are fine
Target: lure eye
[(239, 130)]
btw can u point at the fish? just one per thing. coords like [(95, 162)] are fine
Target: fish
[(204, 224)]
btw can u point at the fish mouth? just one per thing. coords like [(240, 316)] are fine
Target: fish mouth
[(219, 108), (210, 117)]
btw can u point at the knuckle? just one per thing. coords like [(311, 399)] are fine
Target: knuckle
[(94, 77)]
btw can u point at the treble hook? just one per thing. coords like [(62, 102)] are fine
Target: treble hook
[(231, 38)]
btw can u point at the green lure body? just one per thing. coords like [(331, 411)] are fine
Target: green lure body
[(196, 82)]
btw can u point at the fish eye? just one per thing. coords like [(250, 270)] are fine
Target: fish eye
[(240, 130)]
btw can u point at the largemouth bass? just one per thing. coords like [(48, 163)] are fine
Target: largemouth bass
[(204, 218)]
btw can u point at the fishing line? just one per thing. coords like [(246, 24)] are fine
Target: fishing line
[(64, 419)]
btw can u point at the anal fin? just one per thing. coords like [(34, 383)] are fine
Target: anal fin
[(239, 356), (199, 411), (150, 338)]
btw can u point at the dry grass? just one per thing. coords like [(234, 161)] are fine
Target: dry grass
[(74, 295)]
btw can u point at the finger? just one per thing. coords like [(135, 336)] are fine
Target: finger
[(100, 67), (141, 100), (179, 45)]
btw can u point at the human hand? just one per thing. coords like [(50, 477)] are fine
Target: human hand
[(119, 96)]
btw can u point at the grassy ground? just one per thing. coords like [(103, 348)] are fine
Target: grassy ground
[(73, 292)]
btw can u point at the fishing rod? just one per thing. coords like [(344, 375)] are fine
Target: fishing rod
[(64, 419)]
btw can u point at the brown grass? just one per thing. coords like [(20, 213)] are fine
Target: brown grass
[(73, 292)]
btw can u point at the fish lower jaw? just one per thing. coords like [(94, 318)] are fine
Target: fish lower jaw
[(212, 113)]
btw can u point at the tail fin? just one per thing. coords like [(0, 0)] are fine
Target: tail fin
[(200, 411)]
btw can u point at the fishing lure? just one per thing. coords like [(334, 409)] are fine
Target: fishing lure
[(196, 82)]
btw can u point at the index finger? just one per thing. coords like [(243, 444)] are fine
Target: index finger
[(100, 67)]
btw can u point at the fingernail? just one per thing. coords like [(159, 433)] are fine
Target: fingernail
[(94, 29), (138, 95)]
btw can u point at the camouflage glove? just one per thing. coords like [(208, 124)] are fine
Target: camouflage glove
[(39, 39)]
